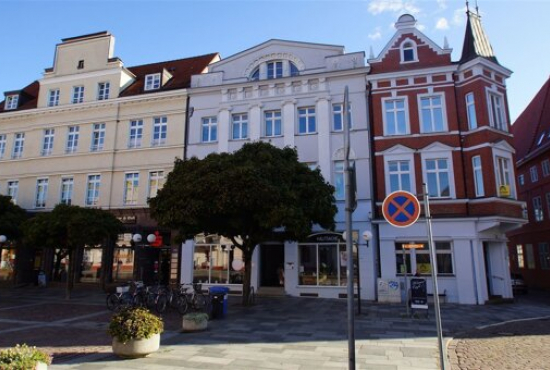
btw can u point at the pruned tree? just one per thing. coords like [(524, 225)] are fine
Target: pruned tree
[(11, 218), (70, 229), (257, 194)]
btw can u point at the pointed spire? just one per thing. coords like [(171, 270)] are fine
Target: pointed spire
[(445, 43), (371, 53), (476, 42)]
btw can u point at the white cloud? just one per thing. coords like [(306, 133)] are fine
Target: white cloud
[(377, 34), (395, 6), (459, 17), (442, 24)]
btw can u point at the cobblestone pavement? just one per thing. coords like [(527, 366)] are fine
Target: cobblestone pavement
[(283, 333)]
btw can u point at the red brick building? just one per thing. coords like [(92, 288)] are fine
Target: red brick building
[(529, 245), (445, 124)]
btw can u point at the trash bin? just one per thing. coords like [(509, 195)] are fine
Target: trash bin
[(42, 279), (218, 297)]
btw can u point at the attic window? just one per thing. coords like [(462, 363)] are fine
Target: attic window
[(408, 52), (152, 82), (80, 64), (274, 69), (541, 138), (11, 102)]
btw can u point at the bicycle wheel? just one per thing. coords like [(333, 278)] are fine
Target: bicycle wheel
[(181, 304), (162, 303), (199, 302), (137, 301), (112, 301)]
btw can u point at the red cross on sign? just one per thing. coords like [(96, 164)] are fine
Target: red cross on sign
[(401, 209)]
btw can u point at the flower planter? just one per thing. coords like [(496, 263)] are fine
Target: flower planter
[(191, 325), (41, 366), (136, 348)]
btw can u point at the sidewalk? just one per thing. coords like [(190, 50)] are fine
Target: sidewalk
[(277, 333)]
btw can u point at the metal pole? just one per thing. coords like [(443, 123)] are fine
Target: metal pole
[(406, 280), (349, 245), (433, 263), (358, 280)]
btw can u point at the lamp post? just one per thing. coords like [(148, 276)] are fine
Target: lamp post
[(367, 236)]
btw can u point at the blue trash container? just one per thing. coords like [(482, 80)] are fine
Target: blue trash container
[(219, 299)]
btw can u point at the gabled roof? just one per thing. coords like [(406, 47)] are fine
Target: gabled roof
[(28, 98), (532, 128), (180, 69), (476, 42)]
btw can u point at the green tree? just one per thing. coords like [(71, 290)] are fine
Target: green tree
[(259, 193), (11, 218), (70, 229)]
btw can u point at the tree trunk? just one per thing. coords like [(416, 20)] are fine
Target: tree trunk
[(70, 275), (247, 256)]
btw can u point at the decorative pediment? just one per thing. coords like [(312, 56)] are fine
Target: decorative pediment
[(398, 149)]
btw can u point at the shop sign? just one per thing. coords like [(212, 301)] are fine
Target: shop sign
[(326, 237), (127, 219), (419, 294), (413, 246), (504, 190)]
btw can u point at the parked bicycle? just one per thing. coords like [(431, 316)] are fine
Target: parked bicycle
[(124, 296)]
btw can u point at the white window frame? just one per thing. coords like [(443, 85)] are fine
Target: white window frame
[(496, 122), (471, 110), (78, 94), (160, 130), (47, 142), (414, 49), (520, 256), (307, 114), (135, 134), (3, 143), (521, 179), (93, 180), (338, 111), (209, 125), (239, 122), (73, 135), (152, 82), (432, 107), (400, 173), (155, 183), (103, 90), (41, 194), (478, 176), (534, 173), (396, 156), (131, 188), (394, 111), (18, 145), (504, 154), (436, 154), (13, 190), (66, 190), (98, 137), (545, 168), (272, 119), (274, 64), (53, 97), (11, 102), (538, 213)]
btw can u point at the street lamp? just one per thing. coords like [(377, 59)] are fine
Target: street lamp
[(3, 239), (137, 238)]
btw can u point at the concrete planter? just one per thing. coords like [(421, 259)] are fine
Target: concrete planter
[(190, 325), (41, 366), (136, 348)]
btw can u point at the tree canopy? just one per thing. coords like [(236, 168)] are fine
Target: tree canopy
[(259, 193), (11, 218)]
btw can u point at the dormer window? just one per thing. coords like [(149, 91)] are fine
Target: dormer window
[(11, 102), (274, 69), (152, 82), (408, 52)]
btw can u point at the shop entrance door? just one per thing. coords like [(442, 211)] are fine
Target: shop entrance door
[(153, 265), (272, 259)]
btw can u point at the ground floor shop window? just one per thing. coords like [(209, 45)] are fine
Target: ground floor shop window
[(323, 264), (123, 259), (215, 262), (418, 259), (7, 264), (91, 265)]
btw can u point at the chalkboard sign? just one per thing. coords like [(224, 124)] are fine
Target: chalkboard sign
[(419, 294)]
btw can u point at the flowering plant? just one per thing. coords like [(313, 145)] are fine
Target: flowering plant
[(134, 323), (22, 357)]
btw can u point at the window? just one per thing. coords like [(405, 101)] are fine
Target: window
[(2, 145), (156, 182), (72, 139), (396, 122), (92, 190), (152, 82), (47, 144), (294, 70), (131, 187), (273, 123), (80, 64), (41, 193), (275, 69), (78, 94), (530, 256), (471, 111), (546, 168), (521, 179), (53, 98), (67, 184), (431, 113), (216, 263), (520, 258), (339, 185), (537, 209), (103, 89), (399, 175), (496, 111), (544, 256), (408, 52), (159, 130), (98, 137), (541, 137), (18, 145), (209, 129), (11, 102), (534, 174), (503, 173), (136, 133), (255, 75), (338, 117), (437, 174), (419, 261), (306, 121), (478, 176), (13, 189), (323, 264), (239, 126)]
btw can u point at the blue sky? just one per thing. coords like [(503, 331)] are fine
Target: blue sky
[(153, 31)]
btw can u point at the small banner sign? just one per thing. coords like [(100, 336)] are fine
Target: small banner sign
[(419, 294)]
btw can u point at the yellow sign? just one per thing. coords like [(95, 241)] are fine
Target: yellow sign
[(504, 190), (413, 246)]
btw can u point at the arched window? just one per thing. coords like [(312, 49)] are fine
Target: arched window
[(255, 74), (294, 70), (408, 52), (274, 69)]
